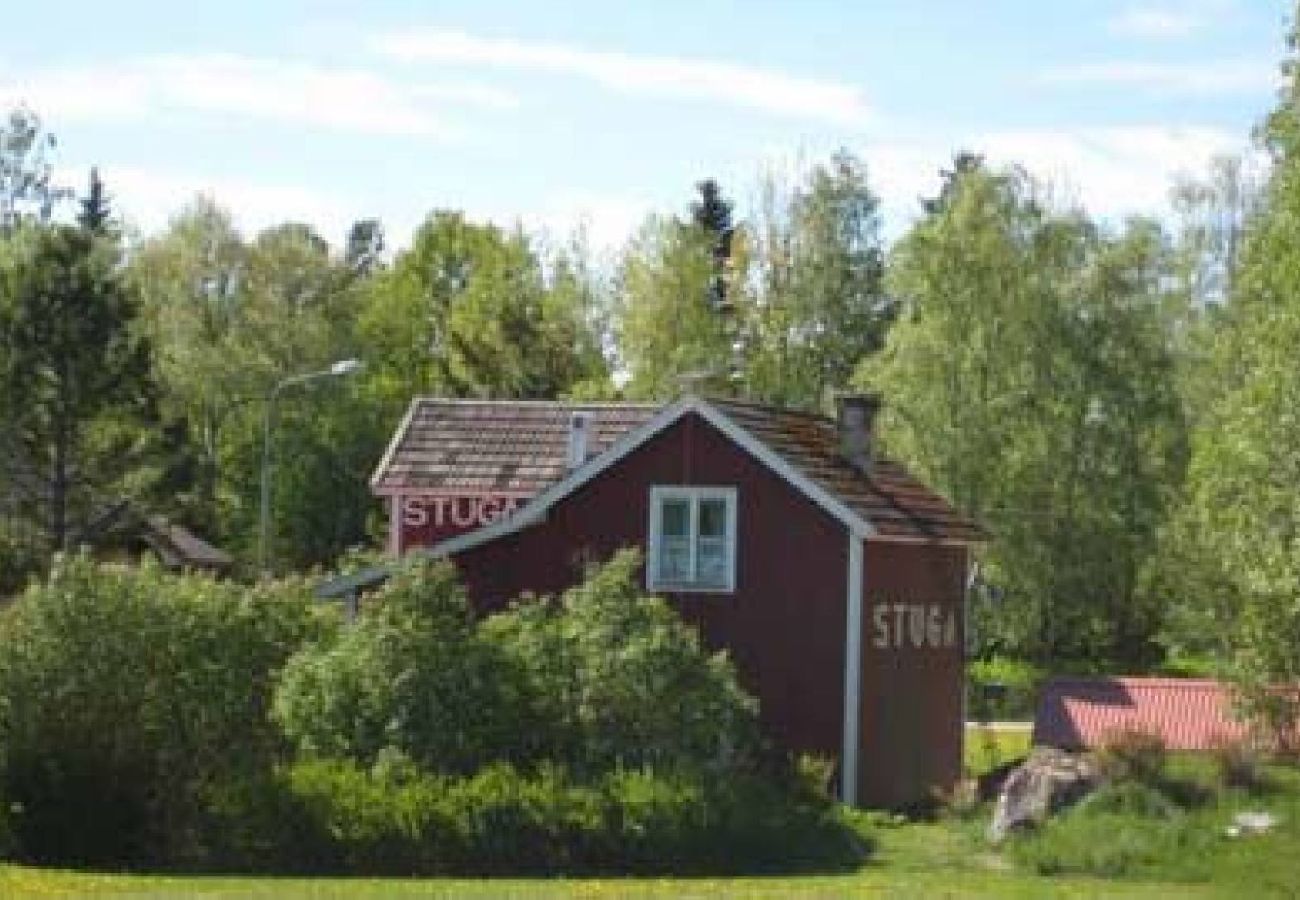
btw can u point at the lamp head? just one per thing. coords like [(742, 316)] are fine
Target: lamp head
[(346, 367)]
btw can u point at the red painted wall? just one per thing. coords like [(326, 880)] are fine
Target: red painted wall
[(783, 626), (913, 670), (427, 519)]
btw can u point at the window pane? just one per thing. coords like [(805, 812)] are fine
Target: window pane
[(676, 518), (675, 560), (711, 559), (713, 518)]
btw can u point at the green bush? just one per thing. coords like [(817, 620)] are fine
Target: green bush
[(615, 678), (1110, 845), (412, 674), (128, 692), (600, 678), (1237, 764), (1129, 798), (331, 816), (1017, 681), (1132, 755)]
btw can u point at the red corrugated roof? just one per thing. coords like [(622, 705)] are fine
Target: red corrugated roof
[(520, 448), (1187, 714)]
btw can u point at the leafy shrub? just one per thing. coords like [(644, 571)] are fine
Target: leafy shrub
[(1002, 688), (412, 674), (600, 678), (1132, 755), (128, 692), (1129, 798), (335, 816), (616, 679), (1237, 764), (1109, 845)]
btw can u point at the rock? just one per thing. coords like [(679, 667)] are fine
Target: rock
[(1251, 823), (1048, 781)]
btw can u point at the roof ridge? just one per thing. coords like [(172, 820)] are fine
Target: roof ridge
[(770, 407), (558, 404)]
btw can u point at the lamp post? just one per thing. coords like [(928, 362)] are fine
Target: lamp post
[(341, 368)]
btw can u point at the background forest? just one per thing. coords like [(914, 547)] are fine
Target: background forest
[(1114, 401)]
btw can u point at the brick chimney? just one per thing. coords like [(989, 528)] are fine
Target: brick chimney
[(857, 425), (579, 438)]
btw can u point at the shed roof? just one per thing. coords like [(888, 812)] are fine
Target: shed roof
[(1187, 714), (520, 448)]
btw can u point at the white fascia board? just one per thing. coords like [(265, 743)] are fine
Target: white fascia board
[(391, 449), (963, 543), (770, 458)]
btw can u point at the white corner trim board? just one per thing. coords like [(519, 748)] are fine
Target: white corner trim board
[(852, 736)]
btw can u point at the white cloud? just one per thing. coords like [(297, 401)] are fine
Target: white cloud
[(1111, 171), (605, 220), (1198, 78), (667, 76), (148, 198), (1160, 23), (285, 91)]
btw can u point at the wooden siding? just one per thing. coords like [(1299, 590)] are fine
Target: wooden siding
[(912, 687)]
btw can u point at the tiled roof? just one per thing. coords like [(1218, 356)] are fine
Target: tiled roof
[(493, 446), (895, 503), (1187, 714), (520, 448)]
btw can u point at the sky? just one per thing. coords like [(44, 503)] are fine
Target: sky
[(563, 114)]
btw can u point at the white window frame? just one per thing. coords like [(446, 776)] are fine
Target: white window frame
[(694, 495)]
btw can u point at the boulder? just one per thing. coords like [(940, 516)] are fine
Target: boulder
[(1048, 781)]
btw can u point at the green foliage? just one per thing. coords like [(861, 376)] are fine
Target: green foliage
[(1132, 756), (27, 189), (78, 417), (616, 679), (1232, 558), (1016, 680), (467, 310), (412, 674), (1113, 846), (331, 816), (602, 678), (1029, 378), (819, 268), (129, 691), (668, 331), (1238, 764)]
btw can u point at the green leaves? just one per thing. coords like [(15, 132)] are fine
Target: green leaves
[(1030, 378), (77, 400), (601, 678), (129, 692)]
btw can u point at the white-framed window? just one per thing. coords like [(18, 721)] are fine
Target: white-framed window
[(692, 539)]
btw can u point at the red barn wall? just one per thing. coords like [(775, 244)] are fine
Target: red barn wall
[(913, 671), (783, 626)]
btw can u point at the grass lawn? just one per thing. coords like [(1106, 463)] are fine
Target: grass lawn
[(935, 859)]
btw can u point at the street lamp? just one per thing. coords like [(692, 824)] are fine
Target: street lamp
[(341, 368)]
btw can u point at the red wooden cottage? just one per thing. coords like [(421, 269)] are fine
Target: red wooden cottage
[(835, 580)]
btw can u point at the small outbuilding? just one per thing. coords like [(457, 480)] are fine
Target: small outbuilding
[(835, 579), (1184, 713)]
